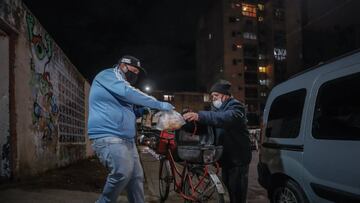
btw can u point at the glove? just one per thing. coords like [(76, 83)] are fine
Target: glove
[(165, 106)]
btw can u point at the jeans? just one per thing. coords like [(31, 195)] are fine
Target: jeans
[(121, 158), (236, 181)]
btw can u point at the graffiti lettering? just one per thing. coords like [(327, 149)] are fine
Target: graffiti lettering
[(45, 108)]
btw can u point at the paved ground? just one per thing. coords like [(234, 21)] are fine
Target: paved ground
[(256, 194), (82, 183)]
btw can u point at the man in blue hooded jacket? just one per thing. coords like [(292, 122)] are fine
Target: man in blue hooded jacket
[(227, 119), (113, 103)]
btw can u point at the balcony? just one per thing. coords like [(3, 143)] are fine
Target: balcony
[(251, 65), (251, 78), (249, 36), (250, 52), (251, 92)]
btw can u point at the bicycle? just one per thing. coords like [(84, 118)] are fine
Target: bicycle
[(198, 181)]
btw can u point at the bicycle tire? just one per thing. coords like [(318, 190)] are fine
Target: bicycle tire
[(164, 179), (209, 187)]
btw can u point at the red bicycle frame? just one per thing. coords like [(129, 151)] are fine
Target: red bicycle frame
[(183, 175)]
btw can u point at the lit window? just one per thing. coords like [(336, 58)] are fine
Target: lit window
[(235, 5), (206, 98), (279, 54), (249, 35), (236, 47), (262, 56), (264, 82), (249, 10), (234, 19), (262, 69), (168, 97), (210, 36), (261, 7), (263, 94)]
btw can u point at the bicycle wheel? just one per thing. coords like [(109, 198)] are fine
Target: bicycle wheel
[(165, 179), (204, 191)]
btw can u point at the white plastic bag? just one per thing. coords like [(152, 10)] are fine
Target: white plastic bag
[(169, 120)]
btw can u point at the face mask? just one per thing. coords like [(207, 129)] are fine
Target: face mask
[(217, 103), (131, 77)]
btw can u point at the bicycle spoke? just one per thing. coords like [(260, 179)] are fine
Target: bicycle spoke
[(204, 188), (165, 179)]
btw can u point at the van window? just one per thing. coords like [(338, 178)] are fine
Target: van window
[(337, 109), (285, 115)]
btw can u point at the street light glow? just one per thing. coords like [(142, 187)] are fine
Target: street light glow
[(147, 88)]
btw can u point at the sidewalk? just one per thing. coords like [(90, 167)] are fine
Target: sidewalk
[(256, 194), (82, 183)]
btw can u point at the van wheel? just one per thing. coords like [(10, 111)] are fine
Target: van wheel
[(288, 192)]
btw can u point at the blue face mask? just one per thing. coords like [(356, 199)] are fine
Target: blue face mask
[(217, 103)]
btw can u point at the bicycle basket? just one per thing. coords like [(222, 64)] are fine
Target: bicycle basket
[(200, 154), (193, 134), (165, 139)]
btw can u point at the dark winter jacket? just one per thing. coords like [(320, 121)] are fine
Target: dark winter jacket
[(229, 126)]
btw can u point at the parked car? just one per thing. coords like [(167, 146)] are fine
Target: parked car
[(311, 135)]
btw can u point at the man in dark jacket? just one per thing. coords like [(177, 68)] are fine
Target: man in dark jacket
[(228, 120)]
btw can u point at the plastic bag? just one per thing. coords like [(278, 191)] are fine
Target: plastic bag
[(169, 120)]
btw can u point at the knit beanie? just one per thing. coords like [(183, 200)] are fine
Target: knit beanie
[(222, 86)]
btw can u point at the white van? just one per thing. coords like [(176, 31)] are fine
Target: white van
[(310, 150)]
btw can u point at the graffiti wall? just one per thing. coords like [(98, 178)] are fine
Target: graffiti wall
[(4, 106), (45, 109), (58, 113), (50, 96)]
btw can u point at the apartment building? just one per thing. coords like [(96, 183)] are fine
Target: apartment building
[(243, 42)]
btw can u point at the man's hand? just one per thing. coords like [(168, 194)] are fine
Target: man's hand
[(191, 116), (146, 111)]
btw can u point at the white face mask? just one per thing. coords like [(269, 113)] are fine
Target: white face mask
[(217, 103)]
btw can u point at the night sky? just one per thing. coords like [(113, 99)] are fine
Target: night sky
[(95, 34)]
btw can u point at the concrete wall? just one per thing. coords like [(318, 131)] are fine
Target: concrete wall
[(49, 115), (89, 151), (4, 104)]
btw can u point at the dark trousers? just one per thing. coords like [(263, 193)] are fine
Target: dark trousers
[(236, 182)]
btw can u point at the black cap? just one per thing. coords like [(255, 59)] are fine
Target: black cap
[(127, 59), (222, 86)]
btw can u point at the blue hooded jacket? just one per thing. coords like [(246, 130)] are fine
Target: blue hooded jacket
[(112, 103)]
